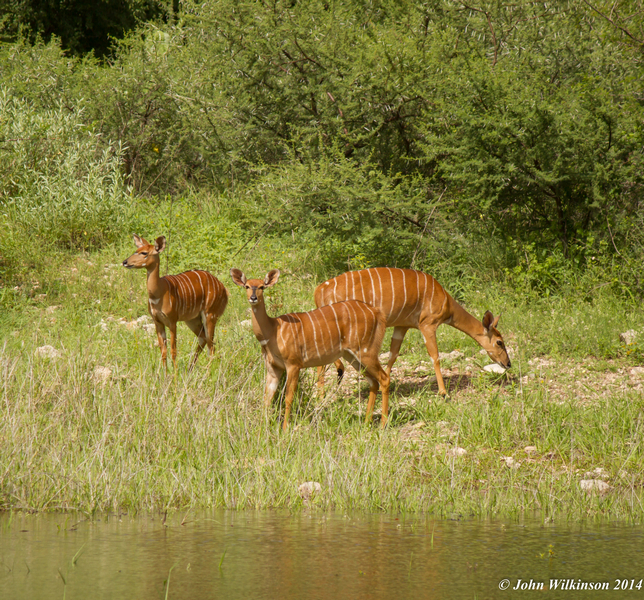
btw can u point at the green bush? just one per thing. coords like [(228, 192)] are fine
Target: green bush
[(60, 183)]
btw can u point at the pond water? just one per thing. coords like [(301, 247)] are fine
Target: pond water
[(269, 554)]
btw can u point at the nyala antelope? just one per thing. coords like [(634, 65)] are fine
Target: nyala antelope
[(351, 330), (411, 299), (196, 297)]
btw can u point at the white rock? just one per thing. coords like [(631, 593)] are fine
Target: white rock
[(628, 337), (450, 355), (149, 327), (594, 485), (47, 352), (308, 489), (102, 374), (597, 473), (510, 462), (637, 371), (530, 449), (246, 323), (494, 368), (457, 451)]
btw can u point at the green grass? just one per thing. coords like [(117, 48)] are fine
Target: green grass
[(143, 439)]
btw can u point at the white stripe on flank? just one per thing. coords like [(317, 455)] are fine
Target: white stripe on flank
[(325, 320), (337, 325), (393, 293), (365, 319), (295, 338), (349, 309), (316, 328), (172, 289), (306, 350), (200, 287), (178, 294), (315, 334), (203, 290), (353, 284), (404, 304), (193, 297), (413, 312), (292, 339), (373, 290), (280, 331), (209, 283), (184, 294), (431, 300), (335, 286), (380, 298), (374, 326), (363, 291), (422, 304)]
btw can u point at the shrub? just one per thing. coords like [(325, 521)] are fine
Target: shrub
[(59, 181)]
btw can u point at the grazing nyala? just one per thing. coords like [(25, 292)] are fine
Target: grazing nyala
[(412, 300), (351, 330), (196, 297)]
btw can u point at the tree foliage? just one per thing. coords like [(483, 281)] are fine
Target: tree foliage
[(348, 120)]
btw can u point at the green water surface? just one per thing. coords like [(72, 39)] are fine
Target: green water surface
[(229, 555)]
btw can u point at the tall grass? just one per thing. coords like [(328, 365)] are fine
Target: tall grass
[(60, 186), (74, 437)]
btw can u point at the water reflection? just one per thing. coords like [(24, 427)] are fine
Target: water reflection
[(310, 555)]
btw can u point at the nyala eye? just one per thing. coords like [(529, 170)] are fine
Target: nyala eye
[(144, 253), (500, 343)]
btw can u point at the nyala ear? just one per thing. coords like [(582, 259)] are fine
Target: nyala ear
[(488, 320), (159, 245), (271, 278), (238, 277), (139, 241)]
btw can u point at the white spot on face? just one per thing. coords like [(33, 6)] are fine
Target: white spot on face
[(153, 301), (365, 350), (263, 342)]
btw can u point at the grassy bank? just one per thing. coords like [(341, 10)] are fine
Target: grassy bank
[(98, 425)]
